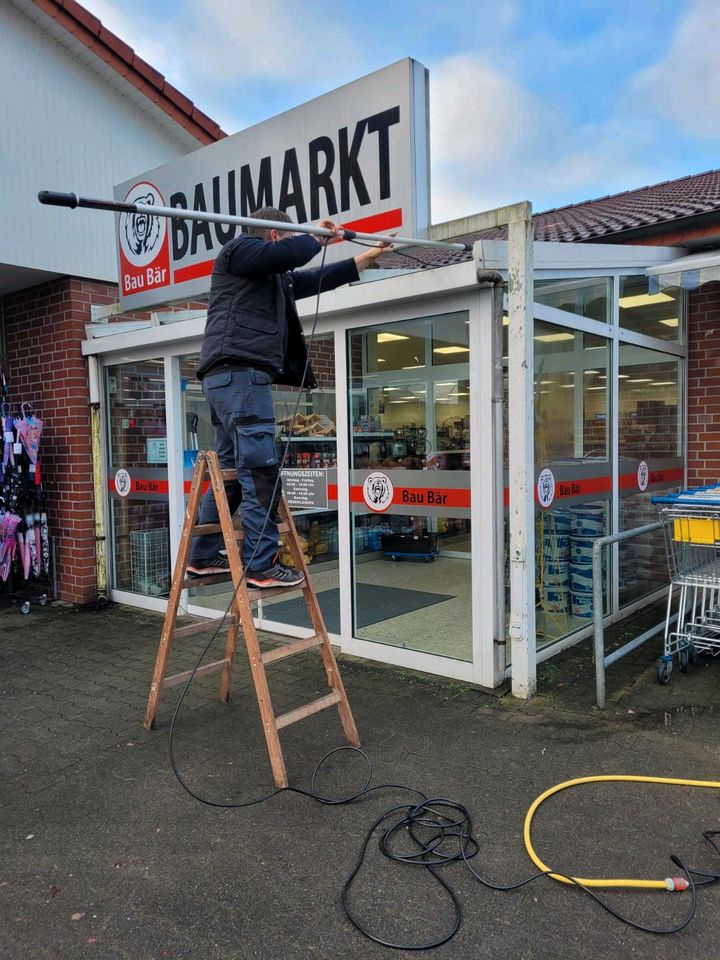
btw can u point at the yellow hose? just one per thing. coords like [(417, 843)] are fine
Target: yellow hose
[(590, 882)]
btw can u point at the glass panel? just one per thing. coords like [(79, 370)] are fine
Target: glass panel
[(572, 453), (589, 298), (311, 453), (410, 493), (313, 448), (137, 461), (654, 314), (650, 433)]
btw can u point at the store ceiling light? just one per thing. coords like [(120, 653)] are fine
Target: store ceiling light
[(388, 337), (595, 388), (455, 349), (643, 300), (664, 383), (553, 337), (546, 383), (670, 322), (567, 386), (398, 401), (415, 366), (640, 380), (386, 389), (588, 372)]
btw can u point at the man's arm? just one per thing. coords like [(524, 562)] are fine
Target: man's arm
[(254, 255), (307, 282)]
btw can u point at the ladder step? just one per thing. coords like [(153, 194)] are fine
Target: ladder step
[(179, 678), (201, 529), (315, 707), (253, 595), (290, 649), (202, 627)]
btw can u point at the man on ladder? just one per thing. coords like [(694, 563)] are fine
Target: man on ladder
[(253, 338)]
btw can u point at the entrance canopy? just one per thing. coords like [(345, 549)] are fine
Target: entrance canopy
[(688, 273)]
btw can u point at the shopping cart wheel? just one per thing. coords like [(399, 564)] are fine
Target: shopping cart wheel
[(25, 608), (692, 655), (683, 658), (664, 671), (43, 600)]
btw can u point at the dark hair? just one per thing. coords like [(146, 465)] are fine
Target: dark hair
[(267, 213)]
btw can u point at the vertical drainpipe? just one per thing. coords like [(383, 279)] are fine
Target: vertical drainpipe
[(521, 432), (98, 486), (490, 278)]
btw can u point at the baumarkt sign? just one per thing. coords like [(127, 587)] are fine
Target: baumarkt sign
[(359, 155)]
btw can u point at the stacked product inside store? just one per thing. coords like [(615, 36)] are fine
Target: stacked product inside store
[(24, 538), (587, 523), (556, 562)]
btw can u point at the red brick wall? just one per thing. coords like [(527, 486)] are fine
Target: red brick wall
[(44, 327), (704, 385)]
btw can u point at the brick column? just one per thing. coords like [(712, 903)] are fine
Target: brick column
[(704, 385), (44, 327)]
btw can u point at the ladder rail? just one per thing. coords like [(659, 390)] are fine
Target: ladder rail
[(239, 616)]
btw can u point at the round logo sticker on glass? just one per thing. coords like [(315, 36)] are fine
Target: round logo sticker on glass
[(546, 488), (643, 476), (378, 491), (123, 484)]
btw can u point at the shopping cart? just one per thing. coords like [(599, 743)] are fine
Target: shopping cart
[(691, 521)]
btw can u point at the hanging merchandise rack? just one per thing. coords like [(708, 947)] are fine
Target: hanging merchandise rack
[(26, 549)]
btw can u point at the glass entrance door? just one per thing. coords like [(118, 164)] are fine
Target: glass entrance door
[(409, 410)]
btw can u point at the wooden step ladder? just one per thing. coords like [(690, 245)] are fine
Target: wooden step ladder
[(240, 616)]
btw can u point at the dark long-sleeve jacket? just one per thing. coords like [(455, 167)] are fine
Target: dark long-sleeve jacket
[(252, 317)]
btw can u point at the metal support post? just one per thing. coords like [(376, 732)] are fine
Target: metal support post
[(521, 435)]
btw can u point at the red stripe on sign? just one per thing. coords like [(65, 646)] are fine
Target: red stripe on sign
[(332, 491), (194, 271), (140, 486), (420, 497), (377, 223), (187, 486)]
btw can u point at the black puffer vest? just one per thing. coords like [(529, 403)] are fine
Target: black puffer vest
[(252, 319)]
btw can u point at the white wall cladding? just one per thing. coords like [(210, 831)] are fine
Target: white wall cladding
[(63, 126)]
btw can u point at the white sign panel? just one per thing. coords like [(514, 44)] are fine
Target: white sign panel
[(359, 155)]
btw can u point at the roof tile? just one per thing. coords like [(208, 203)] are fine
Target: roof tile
[(117, 45), (87, 19)]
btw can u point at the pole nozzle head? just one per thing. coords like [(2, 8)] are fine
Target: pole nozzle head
[(54, 199)]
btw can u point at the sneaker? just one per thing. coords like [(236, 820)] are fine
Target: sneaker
[(208, 568), (278, 575)]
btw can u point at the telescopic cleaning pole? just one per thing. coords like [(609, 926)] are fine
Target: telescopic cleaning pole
[(54, 199)]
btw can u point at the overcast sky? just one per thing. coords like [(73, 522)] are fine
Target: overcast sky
[(552, 101)]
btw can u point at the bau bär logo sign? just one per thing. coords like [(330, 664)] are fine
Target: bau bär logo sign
[(378, 491), (143, 240)]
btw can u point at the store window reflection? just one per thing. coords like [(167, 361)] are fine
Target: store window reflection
[(590, 298), (657, 315), (650, 431), (137, 461), (410, 422)]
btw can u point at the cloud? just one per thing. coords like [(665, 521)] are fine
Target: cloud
[(684, 86), (278, 40), (494, 142)]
